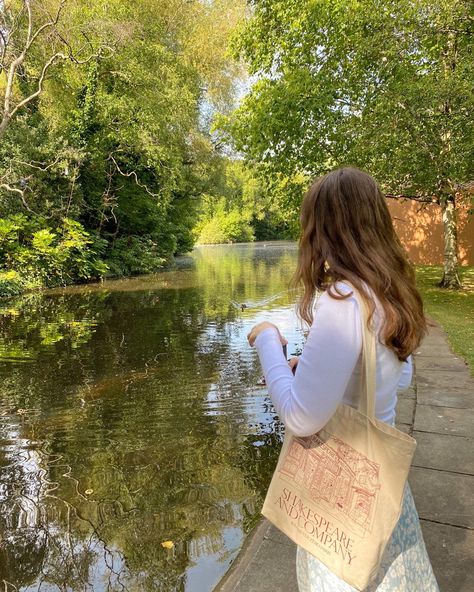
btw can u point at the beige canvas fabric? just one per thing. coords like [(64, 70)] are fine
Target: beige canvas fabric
[(338, 493)]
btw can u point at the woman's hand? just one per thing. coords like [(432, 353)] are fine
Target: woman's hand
[(292, 363), (259, 327)]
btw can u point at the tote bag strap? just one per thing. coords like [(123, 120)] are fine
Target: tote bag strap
[(367, 390)]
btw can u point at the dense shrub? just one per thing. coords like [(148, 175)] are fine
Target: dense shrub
[(224, 224), (33, 254), (227, 227), (10, 283), (132, 254)]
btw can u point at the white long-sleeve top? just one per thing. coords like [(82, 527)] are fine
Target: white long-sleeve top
[(329, 368)]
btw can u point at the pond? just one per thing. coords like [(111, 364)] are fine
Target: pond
[(130, 415)]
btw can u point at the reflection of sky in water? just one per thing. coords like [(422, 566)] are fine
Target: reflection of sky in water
[(255, 401), (137, 419), (208, 567)]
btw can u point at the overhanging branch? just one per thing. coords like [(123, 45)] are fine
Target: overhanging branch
[(38, 91), (418, 198), (132, 174), (468, 187), (19, 192), (52, 23), (17, 61)]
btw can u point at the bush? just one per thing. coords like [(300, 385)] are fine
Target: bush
[(10, 283), (211, 233), (133, 255), (35, 255), (225, 227)]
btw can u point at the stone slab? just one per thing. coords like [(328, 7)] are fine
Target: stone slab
[(441, 349), (444, 420), (277, 536), (447, 453), (443, 497), (273, 569), (404, 410), (408, 393), (435, 333), (451, 551), (447, 397), (433, 340), (444, 362), (444, 381)]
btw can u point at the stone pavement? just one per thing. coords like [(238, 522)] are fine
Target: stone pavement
[(438, 410)]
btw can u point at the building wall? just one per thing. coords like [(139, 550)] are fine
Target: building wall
[(421, 231)]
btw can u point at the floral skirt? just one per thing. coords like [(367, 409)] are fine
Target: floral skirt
[(405, 565)]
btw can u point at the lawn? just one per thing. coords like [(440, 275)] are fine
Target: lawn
[(452, 309)]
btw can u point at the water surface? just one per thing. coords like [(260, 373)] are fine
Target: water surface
[(130, 415)]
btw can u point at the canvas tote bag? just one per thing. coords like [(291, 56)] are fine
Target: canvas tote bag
[(338, 493)]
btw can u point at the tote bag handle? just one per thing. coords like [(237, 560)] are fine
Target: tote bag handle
[(367, 390)]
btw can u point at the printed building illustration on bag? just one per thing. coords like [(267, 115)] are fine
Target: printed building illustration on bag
[(340, 479)]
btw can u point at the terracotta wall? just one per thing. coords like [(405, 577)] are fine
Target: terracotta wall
[(421, 231)]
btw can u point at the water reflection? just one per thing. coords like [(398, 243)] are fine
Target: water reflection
[(129, 416)]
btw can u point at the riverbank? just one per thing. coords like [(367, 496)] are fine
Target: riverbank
[(438, 410), (11, 285)]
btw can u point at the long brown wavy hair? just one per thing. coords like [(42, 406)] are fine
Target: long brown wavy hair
[(347, 234)]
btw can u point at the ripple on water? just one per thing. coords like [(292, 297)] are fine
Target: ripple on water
[(137, 420)]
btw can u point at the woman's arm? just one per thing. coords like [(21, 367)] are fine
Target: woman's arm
[(406, 375), (306, 401)]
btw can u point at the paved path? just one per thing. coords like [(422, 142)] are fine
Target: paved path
[(439, 411)]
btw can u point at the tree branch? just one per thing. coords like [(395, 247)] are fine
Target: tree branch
[(3, 44), (17, 62), (419, 198), (38, 165), (468, 187), (20, 192), (27, 5), (52, 23), (38, 91), (132, 174)]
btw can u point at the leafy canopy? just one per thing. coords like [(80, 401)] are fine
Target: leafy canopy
[(387, 86)]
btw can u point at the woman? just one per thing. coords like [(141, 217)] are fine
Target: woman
[(347, 235)]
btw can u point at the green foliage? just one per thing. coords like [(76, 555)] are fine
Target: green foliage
[(224, 226), (35, 256), (241, 205), (133, 254), (118, 140), (10, 283), (385, 86)]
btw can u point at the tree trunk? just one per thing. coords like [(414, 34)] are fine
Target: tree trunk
[(450, 276), (4, 124)]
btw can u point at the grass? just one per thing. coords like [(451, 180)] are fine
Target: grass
[(452, 309)]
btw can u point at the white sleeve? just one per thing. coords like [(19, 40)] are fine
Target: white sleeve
[(306, 401), (406, 375)]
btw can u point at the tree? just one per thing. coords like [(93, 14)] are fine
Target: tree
[(387, 86), (116, 135), (238, 206), (24, 25)]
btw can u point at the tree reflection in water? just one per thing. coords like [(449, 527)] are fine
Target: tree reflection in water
[(129, 416)]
